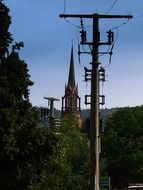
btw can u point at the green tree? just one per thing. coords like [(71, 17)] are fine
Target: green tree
[(123, 146), (77, 152), (5, 36), (33, 157), (69, 166), (24, 146)]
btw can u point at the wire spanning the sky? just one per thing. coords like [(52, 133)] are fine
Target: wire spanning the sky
[(114, 3)]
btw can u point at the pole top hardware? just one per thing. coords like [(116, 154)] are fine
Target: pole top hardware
[(95, 16), (51, 98)]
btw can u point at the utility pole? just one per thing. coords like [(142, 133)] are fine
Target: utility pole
[(51, 101), (95, 94)]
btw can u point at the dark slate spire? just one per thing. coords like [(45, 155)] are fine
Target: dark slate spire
[(71, 100), (71, 79)]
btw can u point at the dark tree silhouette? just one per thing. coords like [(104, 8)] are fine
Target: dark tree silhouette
[(123, 146), (24, 146)]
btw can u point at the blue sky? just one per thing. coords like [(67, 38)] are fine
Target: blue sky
[(48, 41)]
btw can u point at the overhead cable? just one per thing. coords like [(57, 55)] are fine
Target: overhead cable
[(111, 7)]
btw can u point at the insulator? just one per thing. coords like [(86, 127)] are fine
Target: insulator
[(87, 74), (83, 36), (110, 37), (57, 122), (102, 74), (79, 53)]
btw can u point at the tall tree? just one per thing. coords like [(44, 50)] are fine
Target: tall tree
[(24, 146), (5, 36), (123, 146)]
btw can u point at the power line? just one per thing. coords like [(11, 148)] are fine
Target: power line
[(111, 7), (140, 16), (65, 3), (120, 25), (76, 26)]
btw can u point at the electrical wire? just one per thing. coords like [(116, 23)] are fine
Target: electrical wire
[(117, 36), (140, 16), (111, 7), (85, 51), (76, 26), (65, 4), (120, 25), (110, 54), (106, 52)]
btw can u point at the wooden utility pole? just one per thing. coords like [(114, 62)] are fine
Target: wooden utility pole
[(94, 112)]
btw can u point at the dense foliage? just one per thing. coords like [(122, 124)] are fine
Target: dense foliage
[(33, 156), (24, 146), (69, 166), (123, 146)]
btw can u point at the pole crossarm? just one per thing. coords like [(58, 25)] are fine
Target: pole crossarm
[(100, 16)]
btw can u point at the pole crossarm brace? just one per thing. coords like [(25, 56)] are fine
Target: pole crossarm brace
[(100, 16)]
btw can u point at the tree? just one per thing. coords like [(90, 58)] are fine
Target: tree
[(69, 166), (5, 36), (24, 146), (33, 157), (123, 146), (77, 152)]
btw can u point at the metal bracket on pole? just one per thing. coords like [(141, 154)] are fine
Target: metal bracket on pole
[(87, 99)]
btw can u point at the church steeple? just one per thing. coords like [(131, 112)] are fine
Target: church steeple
[(71, 79), (71, 100)]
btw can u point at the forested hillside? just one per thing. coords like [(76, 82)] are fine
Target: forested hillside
[(85, 112)]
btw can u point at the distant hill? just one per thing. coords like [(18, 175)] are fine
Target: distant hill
[(105, 112), (85, 112)]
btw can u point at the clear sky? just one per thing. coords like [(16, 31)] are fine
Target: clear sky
[(48, 41)]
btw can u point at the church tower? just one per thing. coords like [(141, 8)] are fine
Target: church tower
[(71, 100)]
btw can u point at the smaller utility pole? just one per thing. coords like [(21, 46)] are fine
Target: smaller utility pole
[(51, 101)]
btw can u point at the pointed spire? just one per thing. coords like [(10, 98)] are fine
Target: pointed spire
[(71, 100), (71, 79)]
